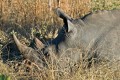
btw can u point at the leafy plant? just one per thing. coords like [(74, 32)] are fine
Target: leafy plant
[(4, 77)]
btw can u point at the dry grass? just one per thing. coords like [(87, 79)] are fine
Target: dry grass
[(103, 71), (29, 16), (37, 14), (24, 71)]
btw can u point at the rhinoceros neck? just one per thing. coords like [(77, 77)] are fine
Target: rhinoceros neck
[(102, 16), (93, 28)]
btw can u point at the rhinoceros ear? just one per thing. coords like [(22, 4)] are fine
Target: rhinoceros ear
[(70, 26), (38, 43), (63, 15)]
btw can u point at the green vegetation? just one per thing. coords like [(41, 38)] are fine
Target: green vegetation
[(4, 77)]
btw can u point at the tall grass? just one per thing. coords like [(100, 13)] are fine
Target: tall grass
[(39, 14), (39, 11)]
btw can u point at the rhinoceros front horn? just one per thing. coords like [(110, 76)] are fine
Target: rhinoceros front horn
[(30, 53), (22, 48)]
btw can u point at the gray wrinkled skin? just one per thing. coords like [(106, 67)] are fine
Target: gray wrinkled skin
[(97, 34), (94, 36)]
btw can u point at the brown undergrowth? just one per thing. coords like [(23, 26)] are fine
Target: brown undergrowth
[(28, 17)]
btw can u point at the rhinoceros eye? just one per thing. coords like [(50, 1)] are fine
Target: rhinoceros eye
[(63, 30), (45, 52)]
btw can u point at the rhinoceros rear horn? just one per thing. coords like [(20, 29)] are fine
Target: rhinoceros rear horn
[(38, 43), (62, 15)]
